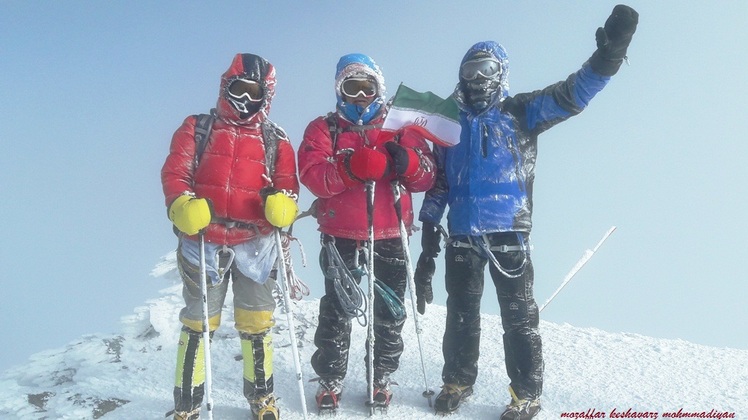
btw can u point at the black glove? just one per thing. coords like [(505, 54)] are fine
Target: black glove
[(430, 237), (424, 273), (613, 40), (404, 160)]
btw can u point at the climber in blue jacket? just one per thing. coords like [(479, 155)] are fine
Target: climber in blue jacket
[(487, 180)]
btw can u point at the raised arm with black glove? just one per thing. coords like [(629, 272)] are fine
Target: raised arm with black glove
[(426, 265), (613, 40)]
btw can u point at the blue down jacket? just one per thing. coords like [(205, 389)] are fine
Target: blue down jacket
[(487, 178)]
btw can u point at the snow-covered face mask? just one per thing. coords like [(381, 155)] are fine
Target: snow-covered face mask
[(245, 95), (480, 80), (480, 92)]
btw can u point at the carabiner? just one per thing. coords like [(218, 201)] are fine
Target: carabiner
[(222, 271)]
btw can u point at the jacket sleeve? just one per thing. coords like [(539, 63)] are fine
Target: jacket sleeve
[(178, 170), (284, 175), (435, 200), (542, 109), (317, 165), (423, 178)]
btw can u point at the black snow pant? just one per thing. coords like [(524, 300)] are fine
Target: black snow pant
[(519, 316), (333, 335)]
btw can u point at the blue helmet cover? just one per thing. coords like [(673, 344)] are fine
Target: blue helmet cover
[(488, 49), (359, 65)]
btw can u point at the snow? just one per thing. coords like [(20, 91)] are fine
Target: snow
[(589, 373)]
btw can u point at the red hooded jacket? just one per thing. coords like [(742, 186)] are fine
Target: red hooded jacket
[(341, 211), (232, 169)]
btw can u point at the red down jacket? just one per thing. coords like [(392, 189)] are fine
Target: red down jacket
[(231, 171), (341, 211)]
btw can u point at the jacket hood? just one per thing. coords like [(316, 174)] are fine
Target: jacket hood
[(486, 49), (351, 65), (251, 67)]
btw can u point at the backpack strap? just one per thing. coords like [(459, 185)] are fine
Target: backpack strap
[(203, 126), (332, 125), (271, 135)]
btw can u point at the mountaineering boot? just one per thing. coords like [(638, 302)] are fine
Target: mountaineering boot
[(184, 415), (520, 408), (450, 398), (328, 395), (264, 408)]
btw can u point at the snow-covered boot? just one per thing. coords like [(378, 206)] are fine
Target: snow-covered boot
[(328, 394), (520, 408), (264, 408), (184, 415), (450, 397)]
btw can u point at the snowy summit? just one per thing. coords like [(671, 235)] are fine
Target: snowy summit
[(588, 373)]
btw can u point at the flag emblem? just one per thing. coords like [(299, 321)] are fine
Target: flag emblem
[(435, 118)]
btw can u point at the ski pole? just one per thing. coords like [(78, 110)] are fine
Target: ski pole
[(411, 283), (206, 327), (578, 266), (370, 263), (289, 317)]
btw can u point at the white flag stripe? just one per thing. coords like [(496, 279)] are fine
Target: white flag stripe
[(436, 118), (446, 129)]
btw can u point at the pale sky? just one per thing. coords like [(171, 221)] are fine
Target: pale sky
[(91, 93)]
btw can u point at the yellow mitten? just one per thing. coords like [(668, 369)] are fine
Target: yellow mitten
[(190, 214), (280, 209)]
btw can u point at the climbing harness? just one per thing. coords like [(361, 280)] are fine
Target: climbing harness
[(481, 245)]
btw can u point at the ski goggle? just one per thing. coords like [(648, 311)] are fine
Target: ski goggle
[(354, 87), (489, 68), (245, 90)]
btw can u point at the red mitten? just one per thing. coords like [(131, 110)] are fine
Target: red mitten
[(368, 164), (344, 169)]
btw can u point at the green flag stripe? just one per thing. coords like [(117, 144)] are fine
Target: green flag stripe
[(427, 102)]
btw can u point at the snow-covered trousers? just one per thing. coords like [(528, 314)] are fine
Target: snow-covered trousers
[(253, 302), (333, 335), (519, 316), (253, 317)]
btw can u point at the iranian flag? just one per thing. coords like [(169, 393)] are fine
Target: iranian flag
[(435, 118)]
